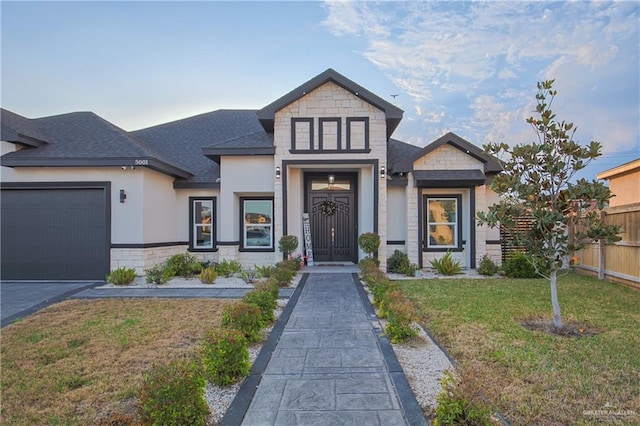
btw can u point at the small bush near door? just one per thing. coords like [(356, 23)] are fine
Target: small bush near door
[(398, 263)]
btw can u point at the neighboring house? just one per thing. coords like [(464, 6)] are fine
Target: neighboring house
[(620, 261), (81, 196), (624, 183)]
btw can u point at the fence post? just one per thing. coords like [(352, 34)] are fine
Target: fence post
[(602, 252)]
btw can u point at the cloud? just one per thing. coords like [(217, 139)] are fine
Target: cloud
[(482, 60)]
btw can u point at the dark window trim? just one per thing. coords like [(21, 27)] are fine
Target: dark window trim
[(366, 133), (242, 248), (396, 242), (295, 121), (425, 228), (321, 122), (214, 221)]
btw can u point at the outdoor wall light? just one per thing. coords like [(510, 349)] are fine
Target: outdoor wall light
[(383, 172), (277, 172), (123, 195), (332, 179)]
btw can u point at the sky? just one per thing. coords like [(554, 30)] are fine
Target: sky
[(466, 67)]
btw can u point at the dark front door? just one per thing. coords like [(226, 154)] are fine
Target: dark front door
[(332, 214)]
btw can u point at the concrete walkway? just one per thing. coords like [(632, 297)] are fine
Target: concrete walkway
[(328, 366)]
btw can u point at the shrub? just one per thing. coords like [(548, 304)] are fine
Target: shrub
[(288, 244), (228, 268), (446, 265), (208, 275), (262, 297), (398, 262), (369, 242), (487, 266), (293, 264), (367, 265), (122, 276), (225, 356), (244, 317), (184, 265), (249, 277), (400, 325), (460, 404), (519, 265), (264, 271), (158, 274), (283, 274), (174, 395)]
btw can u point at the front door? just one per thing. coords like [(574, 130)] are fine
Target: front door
[(332, 214)]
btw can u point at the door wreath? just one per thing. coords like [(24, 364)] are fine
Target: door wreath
[(328, 208)]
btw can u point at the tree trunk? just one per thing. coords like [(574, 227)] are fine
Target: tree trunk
[(557, 320)]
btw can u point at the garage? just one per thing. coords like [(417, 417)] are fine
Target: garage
[(55, 231)]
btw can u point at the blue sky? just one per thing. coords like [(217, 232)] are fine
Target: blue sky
[(466, 67)]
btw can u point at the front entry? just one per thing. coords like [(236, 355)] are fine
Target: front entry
[(332, 213)]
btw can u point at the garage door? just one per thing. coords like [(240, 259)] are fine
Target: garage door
[(57, 233)]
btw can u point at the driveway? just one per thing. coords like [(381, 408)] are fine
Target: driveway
[(19, 299)]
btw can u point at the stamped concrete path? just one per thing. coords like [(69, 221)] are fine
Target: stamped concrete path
[(329, 367)]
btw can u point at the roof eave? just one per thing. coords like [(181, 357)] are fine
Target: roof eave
[(215, 153), (393, 114), (149, 163)]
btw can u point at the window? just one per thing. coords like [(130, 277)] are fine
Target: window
[(443, 222), (202, 218), (257, 224)]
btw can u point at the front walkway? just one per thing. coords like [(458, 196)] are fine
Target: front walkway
[(328, 366)]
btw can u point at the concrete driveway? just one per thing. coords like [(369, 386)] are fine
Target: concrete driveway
[(19, 299)]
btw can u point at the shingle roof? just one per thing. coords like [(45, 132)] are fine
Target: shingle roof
[(187, 141), (398, 151), (491, 164), (19, 129), (84, 139)]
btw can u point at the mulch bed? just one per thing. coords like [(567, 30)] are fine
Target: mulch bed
[(569, 329)]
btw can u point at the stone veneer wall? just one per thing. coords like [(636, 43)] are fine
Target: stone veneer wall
[(145, 258), (331, 101)]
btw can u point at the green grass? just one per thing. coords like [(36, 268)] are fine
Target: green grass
[(534, 377)]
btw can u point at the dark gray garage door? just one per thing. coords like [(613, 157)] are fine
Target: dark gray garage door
[(55, 233)]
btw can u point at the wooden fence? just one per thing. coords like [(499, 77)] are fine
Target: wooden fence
[(619, 262)]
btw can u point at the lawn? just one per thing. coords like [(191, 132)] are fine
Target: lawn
[(535, 378), (79, 362)]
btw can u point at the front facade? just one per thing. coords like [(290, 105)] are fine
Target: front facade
[(81, 196)]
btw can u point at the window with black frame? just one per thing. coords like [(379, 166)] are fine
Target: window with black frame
[(257, 224), (202, 224), (443, 227)]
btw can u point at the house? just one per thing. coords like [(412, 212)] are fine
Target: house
[(624, 183), (81, 196), (620, 261)]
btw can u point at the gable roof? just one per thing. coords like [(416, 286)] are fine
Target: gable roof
[(393, 114), (20, 130), (85, 139), (491, 164)]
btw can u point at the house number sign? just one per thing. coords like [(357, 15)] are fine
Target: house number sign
[(306, 228)]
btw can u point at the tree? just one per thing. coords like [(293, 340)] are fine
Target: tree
[(537, 182)]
